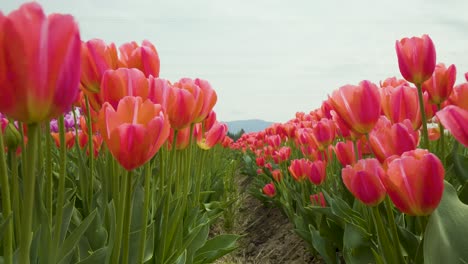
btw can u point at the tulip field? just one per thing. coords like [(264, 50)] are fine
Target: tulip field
[(104, 161)]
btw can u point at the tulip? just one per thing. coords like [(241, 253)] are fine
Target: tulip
[(209, 121), (181, 108), (144, 57), (459, 96), (363, 181), (227, 142), (415, 182), (318, 200), (317, 172), (159, 91), (455, 119), (213, 136), (401, 103), (277, 175), (387, 140), (39, 64), (209, 99), (281, 155), (358, 106), (116, 84), (182, 140), (96, 58), (69, 139), (346, 154), (297, 169), (133, 132), (416, 58), (269, 190), (393, 82), (323, 133), (440, 85), (274, 141)]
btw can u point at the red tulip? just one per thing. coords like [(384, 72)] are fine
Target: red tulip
[(317, 173), (116, 84), (39, 64), (182, 108), (323, 133), (159, 91), (416, 58), (387, 140), (209, 121), (440, 85), (358, 106), (269, 190), (318, 200), (144, 57), (302, 168), (415, 182), (363, 181), (134, 132), (455, 119)]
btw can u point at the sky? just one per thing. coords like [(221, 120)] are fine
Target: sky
[(268, 59)]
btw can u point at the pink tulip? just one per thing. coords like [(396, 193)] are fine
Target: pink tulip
[(39, 64)]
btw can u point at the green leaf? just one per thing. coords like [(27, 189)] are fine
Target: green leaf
[(72, 240), (98, 256), (463, 195), (409, 241), (323, 246), (356, 245), (459, 162), (216, 248), (446, 233)]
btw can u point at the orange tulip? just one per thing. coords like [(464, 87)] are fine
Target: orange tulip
[(363, 181), (69, 139), (358, 106), (144, 57), (39, 64), (387, 140), (134, 132), (415, 182), (440, 85), (416, 58), (182, 140), (455, 119), (116, 84)]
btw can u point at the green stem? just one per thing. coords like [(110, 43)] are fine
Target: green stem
[(91, 153), (81, 170), (6, 206), (29, 182), (127, 218), (384, 243), (393, 227), (356, 151), (49, 180), (120, 220), (16, 194), (442, 140), (422, 109), (145, 212), (198, 178), (61, 186)]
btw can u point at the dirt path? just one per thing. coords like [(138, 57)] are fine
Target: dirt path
[(269, 237)]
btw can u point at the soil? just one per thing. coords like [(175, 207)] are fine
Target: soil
[(268, 235)]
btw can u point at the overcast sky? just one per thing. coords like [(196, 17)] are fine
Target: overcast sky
[(269, 59)]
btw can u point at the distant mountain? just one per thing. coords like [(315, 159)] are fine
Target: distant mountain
[(251, 125)]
